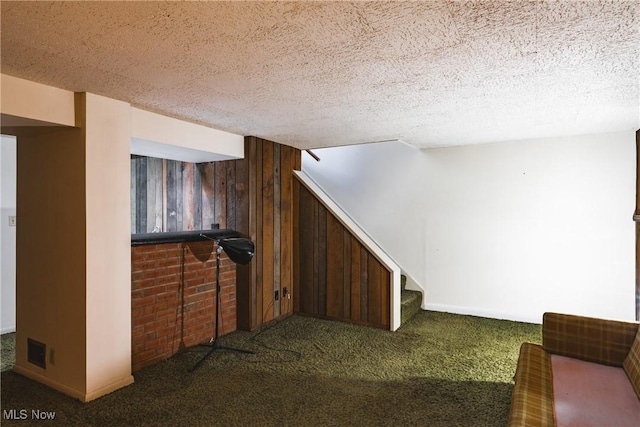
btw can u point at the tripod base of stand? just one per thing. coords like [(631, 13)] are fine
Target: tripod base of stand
[(240, 253), (216, 346)]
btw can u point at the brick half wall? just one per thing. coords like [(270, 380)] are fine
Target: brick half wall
[(173, 297)]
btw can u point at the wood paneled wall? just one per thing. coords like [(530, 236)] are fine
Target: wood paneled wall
[(253, 196), (302, 251), (264, 190), (336, 276), (169, 195)]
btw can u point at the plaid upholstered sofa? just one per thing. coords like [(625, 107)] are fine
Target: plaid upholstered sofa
[(607, 344)]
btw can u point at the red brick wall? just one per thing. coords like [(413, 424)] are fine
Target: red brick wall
[(173, 299)]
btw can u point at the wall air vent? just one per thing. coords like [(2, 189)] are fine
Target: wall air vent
[(36, 353)]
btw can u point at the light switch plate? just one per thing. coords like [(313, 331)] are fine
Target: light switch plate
[(12, 220)]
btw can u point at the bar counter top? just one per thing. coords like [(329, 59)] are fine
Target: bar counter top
[(140, 239)]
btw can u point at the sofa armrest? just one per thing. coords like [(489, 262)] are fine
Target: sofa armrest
[(532, 395), (587, 338)]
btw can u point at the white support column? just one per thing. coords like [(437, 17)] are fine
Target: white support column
[(107, 128)]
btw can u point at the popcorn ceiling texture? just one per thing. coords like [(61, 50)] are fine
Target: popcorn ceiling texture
[(318, 74)]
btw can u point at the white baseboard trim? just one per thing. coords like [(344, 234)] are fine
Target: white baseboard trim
[(108, 388), (479, 312), (83, 397), (70, 391), (7, 330)]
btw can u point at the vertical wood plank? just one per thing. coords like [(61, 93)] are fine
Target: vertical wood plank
[(305, 241), (157, 188), (374, 306), (179, 195), (322, 246), (208, 193), (256, 224), (164, 195), (171, 210), (242, 193), (354, 257), (133, 170), (346, 281), (220, 197), (230, 213), (385, 296), (154, 194), (298, 160), (141, 194), (243, 272), (364, 285), (316, 258), (334, 267), (197, 198), (277, 232), (188, 212), (286, 228), (297, 237), (267, 231)]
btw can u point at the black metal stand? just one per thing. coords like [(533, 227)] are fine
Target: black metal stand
[(214, 344)]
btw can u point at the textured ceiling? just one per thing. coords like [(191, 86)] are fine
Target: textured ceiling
[(317, 74)]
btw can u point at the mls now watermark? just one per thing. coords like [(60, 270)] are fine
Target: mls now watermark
[(24, 414)]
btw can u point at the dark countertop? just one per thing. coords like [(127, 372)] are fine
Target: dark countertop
[(140, 239)]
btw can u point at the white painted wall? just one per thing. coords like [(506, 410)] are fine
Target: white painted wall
[(517, 229), (7, 234), (378, 186), (505, 230)]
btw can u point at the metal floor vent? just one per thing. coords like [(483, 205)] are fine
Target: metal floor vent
[(36, 353)]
